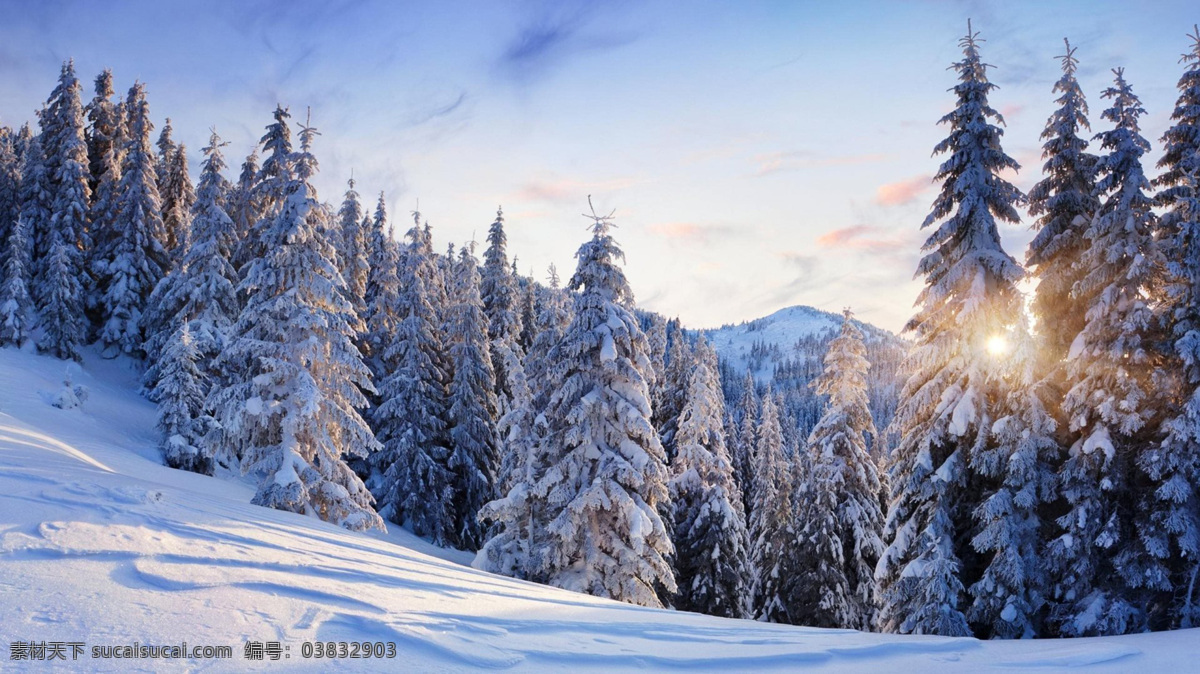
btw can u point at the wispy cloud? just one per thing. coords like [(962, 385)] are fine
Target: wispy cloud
[(902, 192), (689, 232), (555, 33), (794, 160), (566, 190), (863, 238)]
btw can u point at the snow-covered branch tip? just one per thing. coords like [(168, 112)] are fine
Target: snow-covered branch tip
[(1069, 62), (597, 220), (1194, 55)]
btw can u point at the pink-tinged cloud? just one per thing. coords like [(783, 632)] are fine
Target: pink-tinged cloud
[(564, 191), (902, 192), (840, 237), (864, 238), (687, 231), (1010, 112), (776, 162)]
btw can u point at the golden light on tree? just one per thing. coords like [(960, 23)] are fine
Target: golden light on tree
[(997, 346)]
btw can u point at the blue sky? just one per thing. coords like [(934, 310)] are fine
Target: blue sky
[(758, 154)]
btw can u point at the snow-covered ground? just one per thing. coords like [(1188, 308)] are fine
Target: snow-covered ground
[(101, 544)]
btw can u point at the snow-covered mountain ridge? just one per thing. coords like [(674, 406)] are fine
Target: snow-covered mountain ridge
[(762, 343), (101, 544)]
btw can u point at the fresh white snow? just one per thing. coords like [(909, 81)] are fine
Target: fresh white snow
[(101, 544)]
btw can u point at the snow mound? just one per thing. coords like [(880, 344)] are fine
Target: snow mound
[(101, 544)]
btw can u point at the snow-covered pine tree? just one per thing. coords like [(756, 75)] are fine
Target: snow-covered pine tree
[(840, 537), (293, 414), (269, 188), (106, 151), (527, 288), (950, 399), (138, 260), (381, 294), (354, 248), (10, 193), (22, 140), (713, 570), (772, 526), (675, 387), (36, 199), (655, 326), (1101, 560), (1011, 593), (498, 290), (744, 461), (178, 196), (474, 443), (606, 474), (411, 478), (243, 209), (1063, 203), (1174, 468), (180, 392), (60, 313), (166, 149), (16, 306), (105, 124), (202, 290), (65, 144)]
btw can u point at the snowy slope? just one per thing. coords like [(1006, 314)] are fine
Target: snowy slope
[(101, 544), (781, 330)]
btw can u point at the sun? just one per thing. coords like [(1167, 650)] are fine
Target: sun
[(997, 346)]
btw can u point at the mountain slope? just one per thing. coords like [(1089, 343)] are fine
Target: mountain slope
[(763, 343), (100, 544)]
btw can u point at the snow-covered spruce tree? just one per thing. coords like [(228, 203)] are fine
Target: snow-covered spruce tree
[(36, 199), (1063, 203), (60, 312), (16, 306), (675, 387), (655, 326), (516, 545), (180, 392), (166, 149), (744, 461), (353, 258), (269, 187), (138, 260), (10, 193), (475, 445), (380, 292), (293, 414), (105, 128), (106, 151), (713, 570), (606, 472), (202, 290), (528, 291), (1100, 560), (411, 477), (243, 209), (178, 196), (950, 399), (772, 525), (498, 290), (840, 540), (1011, 593), (1174, 468), (65, 144)]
